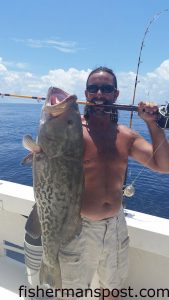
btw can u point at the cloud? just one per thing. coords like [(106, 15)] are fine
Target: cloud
[(13, 64), (3, 69), (152, 86), (26, 83), (62, 46), (17, 65)]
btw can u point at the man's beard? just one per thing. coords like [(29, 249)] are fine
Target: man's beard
[(102, 107)]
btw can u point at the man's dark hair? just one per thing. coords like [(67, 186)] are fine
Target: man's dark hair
[(103, 69)]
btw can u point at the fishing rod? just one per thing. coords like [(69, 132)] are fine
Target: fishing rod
[(22, 96), (162, 112), (162, 120), (155, 17)]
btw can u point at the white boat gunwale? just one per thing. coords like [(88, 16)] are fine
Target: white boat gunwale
[(149, 242)]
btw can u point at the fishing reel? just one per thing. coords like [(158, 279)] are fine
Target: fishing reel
[(163, 116), (162, 113)]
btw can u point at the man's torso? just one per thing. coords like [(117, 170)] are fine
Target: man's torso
[(105, 161)]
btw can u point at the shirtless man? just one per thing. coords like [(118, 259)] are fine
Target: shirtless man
[(103, 244), (108, 146)]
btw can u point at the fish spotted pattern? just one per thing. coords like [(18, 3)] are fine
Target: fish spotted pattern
[(58, 178)]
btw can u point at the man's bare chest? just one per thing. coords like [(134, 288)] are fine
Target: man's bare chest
[(105, 147)]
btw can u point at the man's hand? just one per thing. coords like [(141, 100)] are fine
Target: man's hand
[(148, 111)]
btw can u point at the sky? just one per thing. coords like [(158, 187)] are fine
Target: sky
[(47, 43)]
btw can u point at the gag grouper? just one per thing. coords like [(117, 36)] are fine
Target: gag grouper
[(58, 179)]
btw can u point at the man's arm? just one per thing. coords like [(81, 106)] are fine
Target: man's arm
[(155, 156)]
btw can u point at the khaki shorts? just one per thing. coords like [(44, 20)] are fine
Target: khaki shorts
[(101, 247)]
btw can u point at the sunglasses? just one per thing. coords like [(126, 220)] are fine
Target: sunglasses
[(105, 88)]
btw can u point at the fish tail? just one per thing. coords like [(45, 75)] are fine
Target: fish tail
[(50, 275)]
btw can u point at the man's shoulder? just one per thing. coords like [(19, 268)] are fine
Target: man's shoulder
[(124, 130)]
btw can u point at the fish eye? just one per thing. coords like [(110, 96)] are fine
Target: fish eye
[(70, 122)]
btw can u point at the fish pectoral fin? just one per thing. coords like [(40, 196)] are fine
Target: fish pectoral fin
[(27, 160), (30, 144), (50, 275)]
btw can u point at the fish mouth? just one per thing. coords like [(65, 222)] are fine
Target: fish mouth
[(58, 101)]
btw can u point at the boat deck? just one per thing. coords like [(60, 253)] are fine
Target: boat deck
[(12, 276)]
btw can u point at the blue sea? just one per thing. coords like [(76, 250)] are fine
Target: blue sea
[(17, 119)]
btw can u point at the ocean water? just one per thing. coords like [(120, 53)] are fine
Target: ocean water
[(17, 119)]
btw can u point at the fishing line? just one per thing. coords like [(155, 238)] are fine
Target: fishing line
[(129, 190), (141, 171)]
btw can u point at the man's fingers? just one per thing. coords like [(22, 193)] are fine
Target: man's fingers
[(148, 111), (149, 107)]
